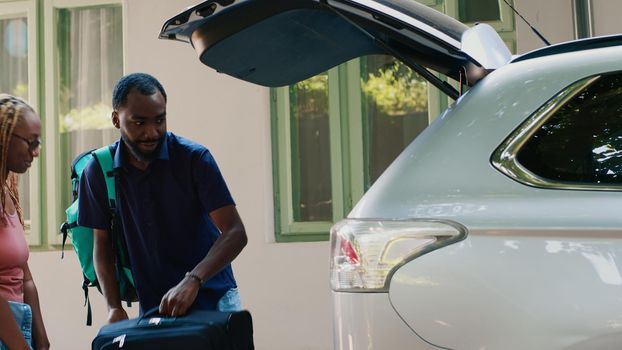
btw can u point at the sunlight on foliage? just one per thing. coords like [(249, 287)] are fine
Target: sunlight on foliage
[(92, 117), (396, 90), (312, 95), (317, 83)]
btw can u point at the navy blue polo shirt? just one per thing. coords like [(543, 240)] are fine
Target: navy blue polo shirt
[(165, 216)]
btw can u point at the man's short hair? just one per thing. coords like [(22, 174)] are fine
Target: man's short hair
[(143, 82)]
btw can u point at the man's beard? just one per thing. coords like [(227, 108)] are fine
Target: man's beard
[(137, 153)]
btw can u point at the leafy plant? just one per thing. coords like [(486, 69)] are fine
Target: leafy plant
[(311, 95), (396, 90)]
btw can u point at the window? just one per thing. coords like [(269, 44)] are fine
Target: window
[(14, 55), (86, 61), (582, 141), (308, 181), (79, 56), (89, 62), (18, 76), (311, 168), (335, 133), (395, 111), (472, 11)]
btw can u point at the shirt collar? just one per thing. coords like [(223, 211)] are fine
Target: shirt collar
[(118, 156)]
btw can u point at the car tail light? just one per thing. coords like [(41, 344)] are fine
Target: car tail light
[(365, 253)]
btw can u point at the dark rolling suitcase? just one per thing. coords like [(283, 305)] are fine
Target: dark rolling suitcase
[(200, 329)]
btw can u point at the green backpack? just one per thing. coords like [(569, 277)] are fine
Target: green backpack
[(82, 237)]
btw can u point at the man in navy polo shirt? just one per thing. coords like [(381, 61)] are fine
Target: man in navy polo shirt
[(180, 223)]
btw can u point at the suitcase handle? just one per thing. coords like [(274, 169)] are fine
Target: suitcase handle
[(154, 311)]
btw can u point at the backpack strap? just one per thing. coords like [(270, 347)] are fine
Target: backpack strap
[(104, 158)]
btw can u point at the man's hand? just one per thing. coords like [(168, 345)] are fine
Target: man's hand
[(116, 315), (178, 299)]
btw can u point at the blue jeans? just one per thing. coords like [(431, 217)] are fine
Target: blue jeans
[(23, 317), (230, 301)]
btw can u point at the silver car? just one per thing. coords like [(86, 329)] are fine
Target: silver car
[(499, 227)]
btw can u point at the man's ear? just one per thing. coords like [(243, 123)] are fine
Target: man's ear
[(115, 119)]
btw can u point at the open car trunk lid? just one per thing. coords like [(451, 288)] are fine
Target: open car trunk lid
[(280, 42)]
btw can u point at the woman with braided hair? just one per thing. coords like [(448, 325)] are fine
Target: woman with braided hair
[(21, 324)]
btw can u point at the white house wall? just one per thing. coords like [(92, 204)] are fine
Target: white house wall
[(552, 18), (284, 285), (605, 17)]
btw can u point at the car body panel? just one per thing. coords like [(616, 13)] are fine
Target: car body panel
[(281, 42), (516, 289), (537, 263), (367, 321)]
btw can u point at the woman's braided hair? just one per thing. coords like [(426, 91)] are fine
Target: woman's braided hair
[(10, 112)]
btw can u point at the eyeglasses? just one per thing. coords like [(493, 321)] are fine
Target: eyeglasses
[(32, 145)]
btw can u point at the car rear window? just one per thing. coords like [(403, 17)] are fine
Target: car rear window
[(582, 141)]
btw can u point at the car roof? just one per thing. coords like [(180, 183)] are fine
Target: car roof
[(572, 46)]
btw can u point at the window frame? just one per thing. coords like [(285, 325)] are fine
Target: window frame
[(504, 24), (53, 209), (286, 228), (504, 158), (28, 9), (348, 151)]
